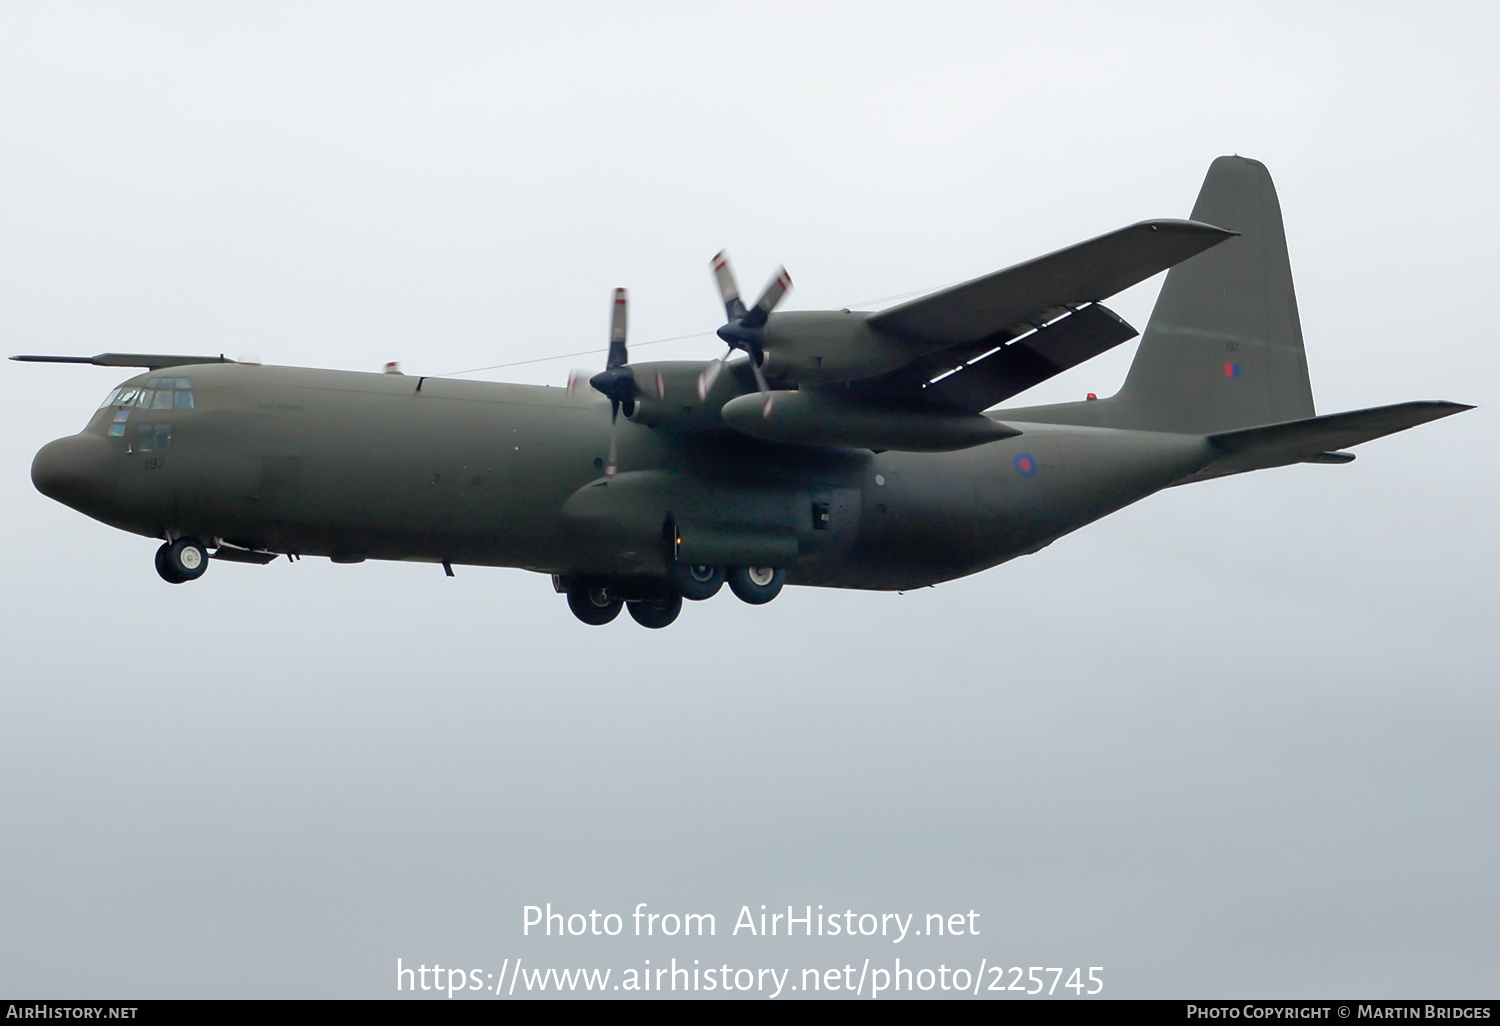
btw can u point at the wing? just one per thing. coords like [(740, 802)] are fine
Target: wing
[(1030, 294), (994, 337)]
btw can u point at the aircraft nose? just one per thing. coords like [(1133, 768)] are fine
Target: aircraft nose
[(79, 471)]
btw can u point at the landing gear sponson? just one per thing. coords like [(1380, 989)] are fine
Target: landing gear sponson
[(596, 600)]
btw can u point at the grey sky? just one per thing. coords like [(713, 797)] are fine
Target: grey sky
[(1238, 739)]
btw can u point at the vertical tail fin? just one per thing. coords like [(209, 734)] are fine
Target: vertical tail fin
[(1223, 349)]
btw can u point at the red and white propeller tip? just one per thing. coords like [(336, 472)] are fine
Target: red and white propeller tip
[(775, 289), (618, 316), (729, 290), (708, 377)]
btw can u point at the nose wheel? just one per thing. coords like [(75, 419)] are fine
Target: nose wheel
[(181, 561)]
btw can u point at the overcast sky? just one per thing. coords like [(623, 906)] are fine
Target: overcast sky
[(1239, 739)]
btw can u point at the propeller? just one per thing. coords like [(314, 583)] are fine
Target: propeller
[(617, 380), (744, 330)]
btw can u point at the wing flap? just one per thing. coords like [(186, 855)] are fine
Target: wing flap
[(1041, 355), (1023, 294), (976, 377)]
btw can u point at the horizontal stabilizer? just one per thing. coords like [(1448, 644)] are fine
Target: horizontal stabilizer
[(150, 361), (1039, 290), (1316, 440)]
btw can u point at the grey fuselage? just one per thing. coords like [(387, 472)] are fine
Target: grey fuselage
[(383, 466)]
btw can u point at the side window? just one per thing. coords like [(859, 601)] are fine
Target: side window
[(184, 400), (152, 437)]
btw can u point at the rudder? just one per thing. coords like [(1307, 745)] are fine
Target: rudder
[(1223, 348)]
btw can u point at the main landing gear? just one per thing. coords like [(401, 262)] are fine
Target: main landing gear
[(657, 604), (655, 613), (696, 583), (756, 585), (594, 604), (181, 561)]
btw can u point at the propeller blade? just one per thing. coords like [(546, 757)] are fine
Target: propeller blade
[(618, 357), (775, 290), (611, 465), (709, 376), (760, 383), (729, 291), (577, 378), (659, 386)]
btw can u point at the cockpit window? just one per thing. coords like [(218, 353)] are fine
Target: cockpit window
[(159, 394), (152, 397)]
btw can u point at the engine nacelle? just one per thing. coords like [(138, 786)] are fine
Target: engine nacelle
[(811, 418)]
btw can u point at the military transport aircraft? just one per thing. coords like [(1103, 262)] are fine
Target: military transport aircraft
[(839, 449)]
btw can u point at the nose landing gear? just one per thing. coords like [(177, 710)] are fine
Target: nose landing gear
[(181, 561)]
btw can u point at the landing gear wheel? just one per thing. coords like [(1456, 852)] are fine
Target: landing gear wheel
[(655, 612), (756, 585), (696, 583), (164, 564), (181, 561), (594, 604)]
